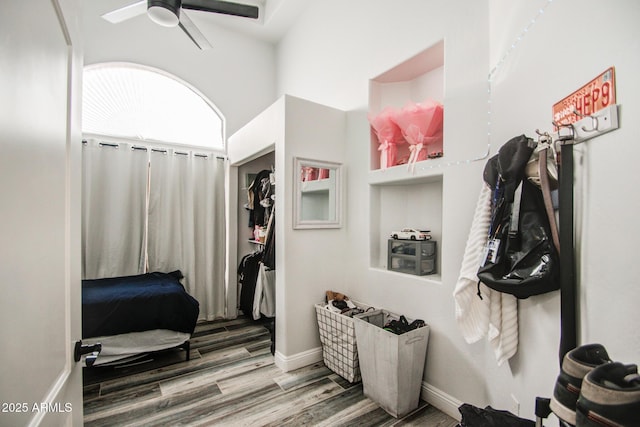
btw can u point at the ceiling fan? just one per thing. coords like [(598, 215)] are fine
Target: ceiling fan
[(170, 13)]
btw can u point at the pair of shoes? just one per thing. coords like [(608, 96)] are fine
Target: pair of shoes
[(592, 390), (576, 364), (610, 396)]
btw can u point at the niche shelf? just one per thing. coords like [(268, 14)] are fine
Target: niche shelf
[(417, 79), (412, 203), (401, 196)]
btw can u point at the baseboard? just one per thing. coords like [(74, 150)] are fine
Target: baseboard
[(299, 360), (441, 400), (433, 395)]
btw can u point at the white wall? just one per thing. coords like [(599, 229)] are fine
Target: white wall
[(237, 74), (551, 64), (308, 259), (571, 42)]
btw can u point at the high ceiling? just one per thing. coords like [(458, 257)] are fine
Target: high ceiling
[(276, 18)]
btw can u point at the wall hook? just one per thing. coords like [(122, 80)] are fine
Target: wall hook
[(603, 121), (594, 121), (562, 129), (544, 137)]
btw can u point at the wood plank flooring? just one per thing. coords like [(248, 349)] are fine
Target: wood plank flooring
[(231, 380)]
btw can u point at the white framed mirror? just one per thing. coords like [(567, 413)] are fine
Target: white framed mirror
[(317, 194)]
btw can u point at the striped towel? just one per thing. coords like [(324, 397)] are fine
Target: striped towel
[(496, 314)]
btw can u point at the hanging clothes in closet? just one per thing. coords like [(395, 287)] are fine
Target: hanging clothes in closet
[(248, 271), (264, 301), (259, 199), (257, 269), (269, 258)]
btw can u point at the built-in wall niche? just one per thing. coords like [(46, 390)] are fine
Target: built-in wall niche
[(418, 79), (416, 203)]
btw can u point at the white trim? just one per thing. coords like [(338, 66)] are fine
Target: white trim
[(441, 400), (299, 360), (231, 286), (52, 396), (332, 185), (430, 394), (64, 380)]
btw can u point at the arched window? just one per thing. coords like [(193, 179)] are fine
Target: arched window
[(134, 101)]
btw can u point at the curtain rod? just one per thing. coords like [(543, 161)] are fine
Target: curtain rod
[(154, 145), (158, 150)]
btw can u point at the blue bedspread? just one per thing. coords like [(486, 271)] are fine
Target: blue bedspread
[(139, 303)]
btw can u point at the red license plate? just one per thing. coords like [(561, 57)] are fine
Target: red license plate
[(589, 99)]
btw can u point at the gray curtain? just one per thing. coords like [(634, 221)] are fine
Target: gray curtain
[(114, 191), (187, 224), (159, 209)]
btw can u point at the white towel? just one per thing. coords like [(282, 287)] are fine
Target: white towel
[(496, 314)]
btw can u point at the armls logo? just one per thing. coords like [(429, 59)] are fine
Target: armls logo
[(16, 407), (52, 407)]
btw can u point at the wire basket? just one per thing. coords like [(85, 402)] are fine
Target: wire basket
[(338, 338)]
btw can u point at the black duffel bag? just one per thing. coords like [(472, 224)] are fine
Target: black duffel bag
[(488, 417)]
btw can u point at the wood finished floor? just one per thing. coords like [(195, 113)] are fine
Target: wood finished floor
[(231, 380)]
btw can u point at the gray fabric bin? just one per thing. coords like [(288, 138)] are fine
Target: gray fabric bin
[(391, 365)]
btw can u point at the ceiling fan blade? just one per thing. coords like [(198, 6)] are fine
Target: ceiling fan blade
[(126, 12), (193, 32), (223, 7)]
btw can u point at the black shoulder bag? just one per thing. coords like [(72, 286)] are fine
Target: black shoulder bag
[(520, 257)]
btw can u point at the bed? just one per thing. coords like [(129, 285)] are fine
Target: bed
[(134, 315)]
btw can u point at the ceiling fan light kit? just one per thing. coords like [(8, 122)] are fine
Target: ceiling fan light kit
[(169, 13), (164, 12)]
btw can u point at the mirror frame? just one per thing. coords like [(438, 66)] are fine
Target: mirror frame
[(298, 222)]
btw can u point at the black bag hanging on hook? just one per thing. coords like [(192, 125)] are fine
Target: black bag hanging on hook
[(520, 257)]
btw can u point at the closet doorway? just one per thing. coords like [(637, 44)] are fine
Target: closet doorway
[(253, 220)]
